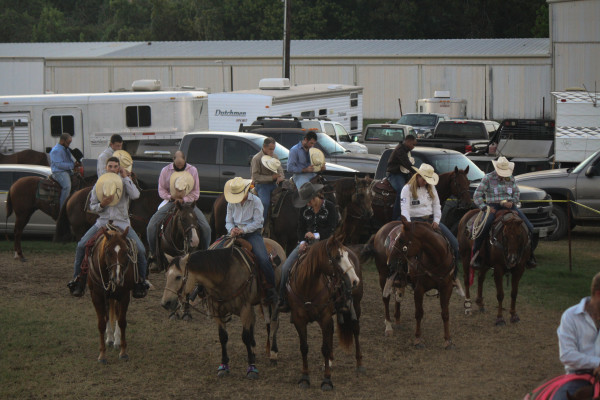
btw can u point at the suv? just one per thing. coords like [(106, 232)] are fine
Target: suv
[(380, 137), (424, 124)]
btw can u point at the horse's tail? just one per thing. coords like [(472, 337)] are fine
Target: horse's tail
[(346, 331), (62, 233), (368, 250), (212, 223), (9, 207)]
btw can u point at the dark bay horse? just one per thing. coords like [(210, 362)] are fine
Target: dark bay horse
[(354, 199), (508, 254), (313, 286), (179, 235), (231, 287), (25, 157), (110, 280), (424, 260), (22, 200)]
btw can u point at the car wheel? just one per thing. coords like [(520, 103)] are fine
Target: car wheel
[(560, 214)]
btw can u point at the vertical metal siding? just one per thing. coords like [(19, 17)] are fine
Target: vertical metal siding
[(80, 80), (576, 21), (124, 76), (248, 76), (577, 64), (26, 77), (309, 74), (211, 78)]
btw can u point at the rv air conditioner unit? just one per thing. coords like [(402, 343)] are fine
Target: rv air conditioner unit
[(274, 83), (146, 85), (441, 93)]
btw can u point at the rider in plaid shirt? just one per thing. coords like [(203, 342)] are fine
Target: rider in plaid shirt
[(498, 190)]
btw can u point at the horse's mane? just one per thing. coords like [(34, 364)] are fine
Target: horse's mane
[(213, 261), (313, 257)]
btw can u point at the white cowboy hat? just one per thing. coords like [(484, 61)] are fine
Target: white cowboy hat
[(427, 172), (109, 184), (125, 160), (503, 167), (317, 158), (306, 193), (181, 181), (236, 189), (270, 163)]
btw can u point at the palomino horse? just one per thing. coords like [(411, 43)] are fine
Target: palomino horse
[(231, 287), (23, 201), (313, 286), (111, 278), (25, 157), (74, 220), (508, 252), (424, 260)]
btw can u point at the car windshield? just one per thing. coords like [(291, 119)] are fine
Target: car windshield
[(585, 163), (312, 125), (280, 151), (329, 145), (342, 133), (443, 163), (417, 120)]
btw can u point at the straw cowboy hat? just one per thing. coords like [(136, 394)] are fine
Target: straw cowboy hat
[(109, 184), (181, 181), (306, 193), (125, 160), (426, 171), (236, 189), (503, 167), (270, 163), (317, 158)]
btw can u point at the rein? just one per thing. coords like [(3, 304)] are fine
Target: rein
[(500, 243)]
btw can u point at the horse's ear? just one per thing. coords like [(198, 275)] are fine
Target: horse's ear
[(456, 169), (125, 232), (467, 170), (184, 259), (106, 235), (169, 258), (405, 222)]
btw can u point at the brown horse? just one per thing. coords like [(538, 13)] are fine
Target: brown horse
[(423, 259), (22, 200), (25, 157), (231, 286), (313, 285), (354, 198), (110, 280), (508, 253)]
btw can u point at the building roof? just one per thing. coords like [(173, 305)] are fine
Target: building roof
[(273, 48)]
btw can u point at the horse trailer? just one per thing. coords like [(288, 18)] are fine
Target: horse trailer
[(442, 103)]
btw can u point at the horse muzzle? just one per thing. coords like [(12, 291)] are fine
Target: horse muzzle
[(169, 305)]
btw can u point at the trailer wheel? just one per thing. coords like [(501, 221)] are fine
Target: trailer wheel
[(560, 214)]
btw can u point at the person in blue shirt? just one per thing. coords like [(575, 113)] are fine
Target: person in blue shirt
[(299, 160), (62, 164)]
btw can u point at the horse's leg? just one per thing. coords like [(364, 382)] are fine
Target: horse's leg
[(445, 294), (20, 222), (121, 308), (499, 295), (111, 331), (356, 332), (304, 381), (480, 279), (272, 328), (419, 292), (223, 337), (100, 306), (248, 319), (467, 282), (516, 277), (327, 351), (389, 331)]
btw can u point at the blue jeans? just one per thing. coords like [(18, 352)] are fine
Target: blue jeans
[(490, 220), (398, 181), (160, 215), (260, 251), (571, 387), (64, 180), (264, 191), (80, 252), (285, 271)]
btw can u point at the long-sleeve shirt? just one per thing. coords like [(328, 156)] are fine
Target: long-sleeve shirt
[(422, 206), (119, 213), (260, 173), (298, 159), (101, 162), (578, 339), (399, 162), (322, 223), (496, 189), (248, 216), (61, 159), (164, 183)]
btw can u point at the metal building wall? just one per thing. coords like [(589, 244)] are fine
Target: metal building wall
[(27, 77)]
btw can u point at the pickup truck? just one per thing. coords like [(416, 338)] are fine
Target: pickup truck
[(380, 137), (460, 135), (218, 156), (580, 184), (424, 123)]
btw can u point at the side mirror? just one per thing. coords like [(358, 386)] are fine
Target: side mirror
[(589, 172)]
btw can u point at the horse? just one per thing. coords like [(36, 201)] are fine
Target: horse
[(111, 278), (354, 198), (231, 287), (22, 200), (179, 233), (25, 157), (508, 252), (424, 260), (74, 220), (313, 286)]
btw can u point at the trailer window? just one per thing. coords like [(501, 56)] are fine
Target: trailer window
[(353, 99), (307, 114), (323, 112), (60, 124), (353, 123), (138, 116)]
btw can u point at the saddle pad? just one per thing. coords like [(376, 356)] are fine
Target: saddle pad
[(48, 190), (224, 242)]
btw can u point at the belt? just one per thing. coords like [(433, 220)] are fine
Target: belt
[(424, 218)]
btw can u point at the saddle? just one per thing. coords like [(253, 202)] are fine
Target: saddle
[(91, 244), (383, 198), (48, 190)]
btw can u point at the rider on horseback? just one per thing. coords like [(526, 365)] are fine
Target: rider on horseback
[(61, 163), (299, 160), (266, 173), (500, 191), (399, 169), (113, 208), (245, 220)]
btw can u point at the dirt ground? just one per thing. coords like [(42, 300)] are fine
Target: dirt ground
[(52, 346)]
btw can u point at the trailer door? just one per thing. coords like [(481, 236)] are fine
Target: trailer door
[(62, 120), (15, 132)]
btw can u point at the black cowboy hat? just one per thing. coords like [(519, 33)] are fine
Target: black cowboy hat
[(306, 193)]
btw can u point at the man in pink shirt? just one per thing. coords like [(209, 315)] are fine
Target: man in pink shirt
[(168, 203)]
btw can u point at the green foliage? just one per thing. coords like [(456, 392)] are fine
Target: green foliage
[(541, 29)]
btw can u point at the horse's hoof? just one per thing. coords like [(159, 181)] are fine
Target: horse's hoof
[(304, 382), (500, 322), (419, 345), (186, 317), (110, 344), (389, 333), (124, 357), (326, 385), (514, 318), (273, 363), (173, 315), (102, 361), (449, 345), (361, 370), (223, 374)]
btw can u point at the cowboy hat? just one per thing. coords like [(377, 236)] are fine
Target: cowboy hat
[(125, 160), (306, 193), (109, 184), (236, 189), (317, 158), (426, 171), (270, 163), (503, 167), (181, 181)]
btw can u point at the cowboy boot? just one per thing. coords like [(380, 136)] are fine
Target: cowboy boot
[(77, 286), (532, 262)]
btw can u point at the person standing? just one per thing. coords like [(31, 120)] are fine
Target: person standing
[(299, 160), (266, 173), (400, 169), (116, 143), (62, 164)]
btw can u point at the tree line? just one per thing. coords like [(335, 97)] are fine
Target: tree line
[(175, 20)]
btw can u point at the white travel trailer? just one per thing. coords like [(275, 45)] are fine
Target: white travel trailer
[(275, 97), (37, 121), (442, 103), (577, 125)]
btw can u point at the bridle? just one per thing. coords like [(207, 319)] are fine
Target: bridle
[(177, 220), (459, 192), (501, 244)]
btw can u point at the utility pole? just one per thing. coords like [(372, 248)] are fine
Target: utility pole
[(287, 14)]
